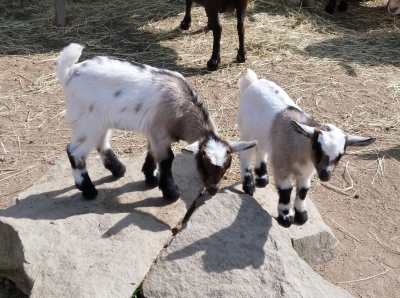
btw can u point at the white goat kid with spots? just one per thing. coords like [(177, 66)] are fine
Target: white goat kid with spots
[(104, 93), (296, 143)]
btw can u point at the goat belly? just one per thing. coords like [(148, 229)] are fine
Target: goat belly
[(227, 7)]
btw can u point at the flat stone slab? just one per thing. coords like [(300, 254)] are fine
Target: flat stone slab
[(314, 241), (232, 247), (54, 243)]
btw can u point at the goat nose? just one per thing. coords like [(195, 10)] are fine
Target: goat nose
[(213, 189), (324, 175), (392, 9)]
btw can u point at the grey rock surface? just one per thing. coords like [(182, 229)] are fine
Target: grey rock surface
[(314, 241), (232, 247), (54, 243)]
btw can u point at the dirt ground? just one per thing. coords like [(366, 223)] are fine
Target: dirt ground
[(342, 69)]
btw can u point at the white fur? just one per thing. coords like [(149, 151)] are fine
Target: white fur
[(102, 94), (332, 142), (260, 103), (216, 151)]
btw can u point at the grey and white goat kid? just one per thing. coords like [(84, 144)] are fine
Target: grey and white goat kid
[(296, 143), (104, 93)]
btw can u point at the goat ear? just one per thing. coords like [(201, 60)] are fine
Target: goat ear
[(302, 129), (359, 141), (242, 145), (192, 148)]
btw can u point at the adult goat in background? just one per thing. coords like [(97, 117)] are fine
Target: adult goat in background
[(213, 8)]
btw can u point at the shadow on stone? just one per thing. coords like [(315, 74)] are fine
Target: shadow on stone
[(226, 249)]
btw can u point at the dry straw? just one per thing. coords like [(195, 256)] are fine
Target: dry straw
[(324, 62)]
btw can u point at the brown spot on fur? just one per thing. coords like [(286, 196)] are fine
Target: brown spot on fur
[(117, 93), (84, 64), (81, 140), (91, 108), (123, 110), (138, 107)]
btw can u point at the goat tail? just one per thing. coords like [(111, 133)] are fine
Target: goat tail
[(68, 57), (249, 78)]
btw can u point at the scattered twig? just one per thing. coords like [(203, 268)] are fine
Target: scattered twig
[(362, 279), (27, 169), (345, 231)]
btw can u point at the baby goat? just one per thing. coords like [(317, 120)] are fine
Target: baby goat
[(104, 93), (296, 143), (213, 7)]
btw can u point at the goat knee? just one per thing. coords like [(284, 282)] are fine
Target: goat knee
[(112, 163)]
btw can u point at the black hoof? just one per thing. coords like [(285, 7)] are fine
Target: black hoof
[(152, 181), (89, 192), (262, 181), (248, 183), (213, 64), (119, 171), (342, 6), (241, 57), (171, 193), (300, 217), (185, 26), (286, 221), (329, 10)]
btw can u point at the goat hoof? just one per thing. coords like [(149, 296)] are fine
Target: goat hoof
[(329, 10), (248, 183), (89, 193), (249, 188), (185, 25), (119, 172), (285, 221), (262, 181), (300, 217), (212, 64), (171, 193), (241, 58), (342, 6), (152, 181)]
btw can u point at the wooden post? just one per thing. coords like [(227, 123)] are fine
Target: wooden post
[(59, 7)]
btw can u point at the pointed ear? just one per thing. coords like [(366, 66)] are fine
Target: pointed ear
[(241, 145), (192, 148), (302, 129), (359, 141)]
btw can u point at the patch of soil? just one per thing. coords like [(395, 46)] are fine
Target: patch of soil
[(322, 62)]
